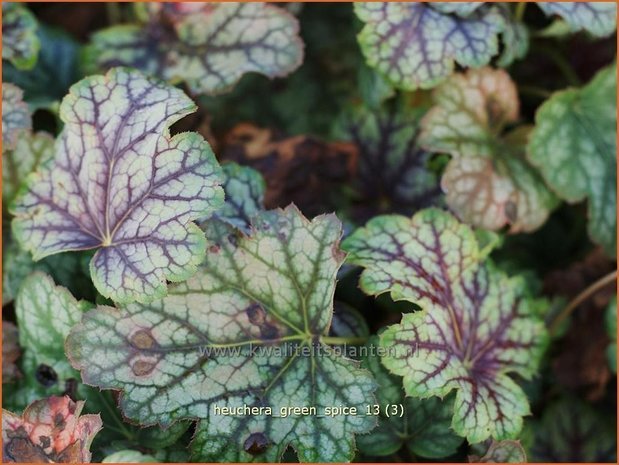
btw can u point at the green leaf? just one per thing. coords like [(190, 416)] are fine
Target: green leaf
[(611, 329), (45, 314), (54, 72), (392, 169), (240, 332), (475, 328), (424, 428), (244, 190), (128, 456), (416, 46), (20, 44), (572, 431), (514, 38), (49, 431), (488, 181), (597, 18), (507, 451), (574, 145), (31, 151), (130, 192), (16, 117), (210, 46)]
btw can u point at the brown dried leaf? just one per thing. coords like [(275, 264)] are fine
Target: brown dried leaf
[(300, 169), (49, 430)]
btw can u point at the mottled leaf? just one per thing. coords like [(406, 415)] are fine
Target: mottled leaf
[(49, 430), (514, 38), (392, 170), (597, 18), (488, 181), (208, 45), (67, 269), (572, 431), (574, 145), (507, 451), (460, 8), (54, 72), (120, 184), (303, 170), (611, 328), (417, 46), (20, 44), (10, 352), (476, 326), (240, 332), (31, 151), (16, 118), (45, 314), (129, 456), (425, 427), (244, 189)]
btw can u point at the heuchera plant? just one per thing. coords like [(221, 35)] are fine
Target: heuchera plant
[(248, 232)]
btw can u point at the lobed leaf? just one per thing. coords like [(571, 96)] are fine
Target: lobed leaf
[(425, 427), (244, 189), (488, 181), (475, 328), (460, 8), (597, 18), (240, 332), (574, 145), (121, 185), (416, 46), (16, 117), (31, 151), (572, 431), (392, 169), (20, 44), (50, 430), (208, 45)]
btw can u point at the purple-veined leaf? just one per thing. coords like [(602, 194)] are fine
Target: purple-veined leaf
[(424, 427), (16, 117), (392, 169), (208, 45), (119, 183), (573, 431), (416, 46), (597, 18), (574, 145), (20, 43), (476, 326), (488, 182), (49, 431), (242, 331), (460, 8)]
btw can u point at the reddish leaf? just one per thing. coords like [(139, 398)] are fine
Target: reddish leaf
[(49, 430)]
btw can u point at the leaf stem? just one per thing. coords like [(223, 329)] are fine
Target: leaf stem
[(113, 413), (520, 9), (535, 91), (580, 298), (343, 340), (562, 63)]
